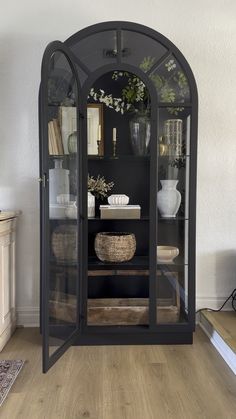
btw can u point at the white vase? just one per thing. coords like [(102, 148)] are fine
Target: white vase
[(58, 181), (91, 205), (168, 198)]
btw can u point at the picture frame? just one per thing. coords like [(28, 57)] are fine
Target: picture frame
[(94, 119)]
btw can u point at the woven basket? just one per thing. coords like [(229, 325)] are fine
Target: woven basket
[(115, 247), (64, 243)]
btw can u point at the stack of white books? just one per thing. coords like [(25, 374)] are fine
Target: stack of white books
[(120, 212)]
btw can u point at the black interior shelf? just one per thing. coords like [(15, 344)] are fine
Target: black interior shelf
[(138, 262), (174, 219), (144, 218), (130, 158)]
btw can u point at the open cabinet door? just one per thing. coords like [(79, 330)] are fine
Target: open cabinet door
[(60, 178)]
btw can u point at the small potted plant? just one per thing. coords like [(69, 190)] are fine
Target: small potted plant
[(97, 188)]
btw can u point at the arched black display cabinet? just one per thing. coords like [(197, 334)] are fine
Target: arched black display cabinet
[(146, 300)]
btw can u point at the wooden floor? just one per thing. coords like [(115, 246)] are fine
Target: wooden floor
[(121, 382), (224, 322)]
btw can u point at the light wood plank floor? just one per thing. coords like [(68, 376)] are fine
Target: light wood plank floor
[(121, 382), (224, 322)]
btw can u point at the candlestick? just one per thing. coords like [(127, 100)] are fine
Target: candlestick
[(114, 134), (99, 138), (114, 141), (99, 132)]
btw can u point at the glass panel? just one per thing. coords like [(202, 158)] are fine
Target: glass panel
[(140, 50), (118, 104), (172, 306), (97, 50), (63, 189), (118, 297), (118, 280), (173, 213), (171, 82)]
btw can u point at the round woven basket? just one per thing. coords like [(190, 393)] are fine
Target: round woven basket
[(115, 247), (64, 242)]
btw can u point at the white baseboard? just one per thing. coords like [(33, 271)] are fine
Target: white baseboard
[(5, 336), (27, 316), (224, 350)]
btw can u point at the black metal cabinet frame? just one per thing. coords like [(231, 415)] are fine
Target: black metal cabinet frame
[(84, 79)]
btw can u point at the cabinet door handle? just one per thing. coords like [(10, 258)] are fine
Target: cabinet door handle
[(43, 179)]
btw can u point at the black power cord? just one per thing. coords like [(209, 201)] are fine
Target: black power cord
[(233, 302)]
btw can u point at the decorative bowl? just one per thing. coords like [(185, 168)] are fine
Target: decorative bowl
[(166, 254), (118, 199)]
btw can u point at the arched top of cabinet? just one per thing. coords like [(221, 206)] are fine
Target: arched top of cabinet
[(120, 44)]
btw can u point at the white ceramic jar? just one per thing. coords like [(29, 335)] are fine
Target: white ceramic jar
[(118, 199)]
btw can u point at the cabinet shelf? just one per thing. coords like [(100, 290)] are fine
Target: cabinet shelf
[(138, 262), (144, 218), (175, 105), (178, 218), (171, 156), (63, 156), (127, 157)]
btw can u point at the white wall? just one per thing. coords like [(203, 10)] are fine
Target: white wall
[(205, 31)]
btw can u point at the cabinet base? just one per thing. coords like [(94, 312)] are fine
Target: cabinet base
[(136, 339)]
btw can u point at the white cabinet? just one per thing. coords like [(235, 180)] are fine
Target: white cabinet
[(7, 276)]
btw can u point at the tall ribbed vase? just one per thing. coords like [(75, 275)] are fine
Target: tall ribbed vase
[(168, 199)]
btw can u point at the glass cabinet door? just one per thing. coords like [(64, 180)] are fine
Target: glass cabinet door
[(60, 186), (172, 238)]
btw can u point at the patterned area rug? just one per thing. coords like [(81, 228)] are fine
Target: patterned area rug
[(8, 373)]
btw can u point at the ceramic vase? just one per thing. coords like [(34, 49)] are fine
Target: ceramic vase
[(58, 181), (168, 199), (91, 205), (140, 131), (72, 143)]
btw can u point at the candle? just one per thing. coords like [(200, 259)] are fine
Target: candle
[(114, 135), (99, 132)]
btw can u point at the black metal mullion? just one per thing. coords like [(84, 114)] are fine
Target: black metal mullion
[(84, 221), (192, 215), (159, 62), (45, 213), (119, 51), (153, 215), (80, 63)]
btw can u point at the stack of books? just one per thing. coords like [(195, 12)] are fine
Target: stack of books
[(120, 212), (55, 146)]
